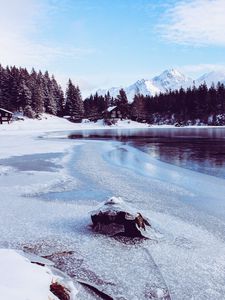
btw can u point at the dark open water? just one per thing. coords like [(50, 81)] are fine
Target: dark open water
[(199, 149)]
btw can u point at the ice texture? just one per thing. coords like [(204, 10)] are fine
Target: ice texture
[(44, 212)]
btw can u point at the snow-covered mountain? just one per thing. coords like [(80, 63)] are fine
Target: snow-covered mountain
[(210, 78), (143, 86), (169, 79)]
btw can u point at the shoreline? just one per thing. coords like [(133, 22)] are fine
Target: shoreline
[(50, 123)]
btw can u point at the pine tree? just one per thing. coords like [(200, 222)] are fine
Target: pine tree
[(107, 100), (74, 105), (28, 112), (220, 96), (60, 101), (138, 107), (122, 103), (37, 100), (24, 95)]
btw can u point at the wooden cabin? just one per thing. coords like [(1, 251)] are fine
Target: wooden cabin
[(5, 115), (112, 114)]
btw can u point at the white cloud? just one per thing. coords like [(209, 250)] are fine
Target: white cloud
[(21, 23), (195, 22)]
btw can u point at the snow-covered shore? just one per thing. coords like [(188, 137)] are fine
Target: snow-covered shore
[(53, 123), (45, 208), (20, 279), (49, 123)]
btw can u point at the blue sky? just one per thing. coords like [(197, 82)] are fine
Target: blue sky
[(104, 43)]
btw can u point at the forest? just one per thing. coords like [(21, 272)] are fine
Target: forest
[(33, 93), (193, 106)]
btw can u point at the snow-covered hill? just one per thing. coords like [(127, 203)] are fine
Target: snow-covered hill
[(169, 79)]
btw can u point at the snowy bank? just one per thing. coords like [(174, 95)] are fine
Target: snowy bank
[(48, 123), (52, 123), (20, 279)]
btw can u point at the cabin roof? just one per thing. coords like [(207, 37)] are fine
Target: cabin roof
[(111, 108), (7, 111)]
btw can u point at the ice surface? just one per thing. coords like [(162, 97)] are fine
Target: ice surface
[(186, 209), (201, 190), (38, 162)]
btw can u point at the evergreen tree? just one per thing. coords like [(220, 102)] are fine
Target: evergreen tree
[(107, 100), (37, 100), (74, 105), (122, 103), (24, 95), (60, 101), (139, 108), (220, 96), (28, 112)]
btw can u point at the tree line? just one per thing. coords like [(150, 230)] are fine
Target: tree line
[(194, 105), (35, 92)]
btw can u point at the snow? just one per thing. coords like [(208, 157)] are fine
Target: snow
[(169, 79), (112, 205), (7, 111), (211, 77), (47, 210), (20, 279), (50, 123), (109, 109)]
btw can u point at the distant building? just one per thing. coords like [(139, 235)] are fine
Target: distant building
[(5, 115), (112, 114)]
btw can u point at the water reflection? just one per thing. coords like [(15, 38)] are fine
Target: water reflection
[(202, 155), (199, 149)]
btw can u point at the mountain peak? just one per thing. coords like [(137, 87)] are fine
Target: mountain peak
[(170, 79), (171, 73)]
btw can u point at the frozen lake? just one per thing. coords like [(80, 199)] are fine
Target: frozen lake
[(49, 188), (198, 149)]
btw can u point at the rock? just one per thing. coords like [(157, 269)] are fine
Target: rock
[(114, 217)]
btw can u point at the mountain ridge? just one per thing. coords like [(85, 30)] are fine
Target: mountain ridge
[(170, 79)]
